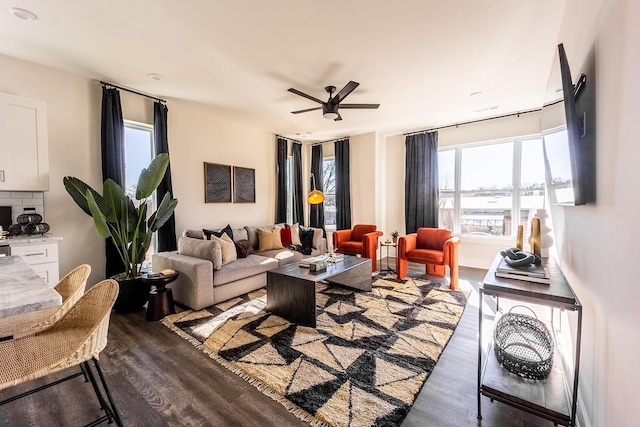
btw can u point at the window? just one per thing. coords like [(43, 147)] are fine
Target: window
[(329, 190), (481, 186), (288, 174), (138, 153)]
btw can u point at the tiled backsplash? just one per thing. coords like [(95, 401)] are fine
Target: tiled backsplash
[(18, 200)]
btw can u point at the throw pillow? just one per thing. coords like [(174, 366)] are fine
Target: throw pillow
[(285, 236), (228, 248), (268, 240), (203, 249), (219, 233), (243, 248), (295, 235), (306, 237)]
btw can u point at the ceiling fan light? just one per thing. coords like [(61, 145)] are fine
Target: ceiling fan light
[(330, 115), (330, 111)]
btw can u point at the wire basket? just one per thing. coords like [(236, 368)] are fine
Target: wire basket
[(523, 345)]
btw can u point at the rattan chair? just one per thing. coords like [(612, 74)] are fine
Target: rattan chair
[(70, 287), (79, 336)]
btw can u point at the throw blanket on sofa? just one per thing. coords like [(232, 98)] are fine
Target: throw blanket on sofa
[(306, 238)]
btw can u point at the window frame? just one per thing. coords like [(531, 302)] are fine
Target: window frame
[(516, 191), (331, 227)]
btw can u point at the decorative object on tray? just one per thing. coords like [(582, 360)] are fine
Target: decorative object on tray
[(523, 345), (331, 257), (519, 240), (535, 238), (522, 265), (318, 266), (29, 223)]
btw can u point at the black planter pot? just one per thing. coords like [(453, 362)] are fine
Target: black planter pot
[(133, 295)]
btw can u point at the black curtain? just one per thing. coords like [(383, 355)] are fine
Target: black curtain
[(167, 233), (281, 180), (343, 185), (297, 211), (421, 181), (316, 218), (112, 145)]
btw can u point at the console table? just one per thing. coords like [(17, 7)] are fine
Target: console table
[(546, 398)]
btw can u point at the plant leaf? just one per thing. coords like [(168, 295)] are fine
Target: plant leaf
[(113, 194), (77, 189), (151, 177), (163, 213), (99, 219)]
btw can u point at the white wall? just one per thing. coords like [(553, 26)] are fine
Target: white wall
[(600, 242)]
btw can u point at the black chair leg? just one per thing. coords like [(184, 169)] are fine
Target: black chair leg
[(106, 389), (86, 369)]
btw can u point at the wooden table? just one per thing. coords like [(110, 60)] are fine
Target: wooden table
[(22, 290), (161, 298), (291, 289), (545, 398)]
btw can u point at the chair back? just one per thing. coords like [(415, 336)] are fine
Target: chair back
[(360, 230), (71, 288), (432, 238), (89, 318)]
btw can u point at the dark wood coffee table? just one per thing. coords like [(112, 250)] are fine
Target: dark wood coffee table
[(291, 289)]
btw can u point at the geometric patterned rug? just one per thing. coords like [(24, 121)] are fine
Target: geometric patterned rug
[(364, 363)]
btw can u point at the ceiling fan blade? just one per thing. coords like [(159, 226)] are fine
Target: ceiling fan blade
[(337, 119), (304, 111), (346, 90), (368, 106), (304, 95)]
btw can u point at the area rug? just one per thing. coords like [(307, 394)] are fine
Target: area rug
[(364, 363)]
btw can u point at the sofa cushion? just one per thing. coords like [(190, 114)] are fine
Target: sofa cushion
[(269, 239), (203, 249), (360, 230), (252, 233), (243, 248), (243, 268), (350, 247), (295, 234), (194, 234), (285, 236), (227, 247), (218, 233)]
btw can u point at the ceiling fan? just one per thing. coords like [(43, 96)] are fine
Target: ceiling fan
[(331, 106)]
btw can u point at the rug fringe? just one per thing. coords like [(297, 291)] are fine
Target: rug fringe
[(263, 388)]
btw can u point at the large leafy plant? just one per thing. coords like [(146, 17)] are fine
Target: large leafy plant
[(117, 216)]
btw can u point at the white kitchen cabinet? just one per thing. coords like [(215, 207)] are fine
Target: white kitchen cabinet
[(42, 257), (24, 151)]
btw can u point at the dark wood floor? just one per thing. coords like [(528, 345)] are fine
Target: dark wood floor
[(159, 379)]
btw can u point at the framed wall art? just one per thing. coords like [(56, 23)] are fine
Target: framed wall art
[(217, 183), (244, 185)]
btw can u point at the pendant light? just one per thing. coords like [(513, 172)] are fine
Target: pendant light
[(315, 197)]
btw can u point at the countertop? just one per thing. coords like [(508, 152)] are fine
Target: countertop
[(22, 290), (25, 240)]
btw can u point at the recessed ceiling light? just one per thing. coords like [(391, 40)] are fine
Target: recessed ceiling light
[(155, 76), (475, 94), (23, 14)]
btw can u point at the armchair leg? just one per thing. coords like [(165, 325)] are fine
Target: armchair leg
[(402, 267), (436, 270), (453, 271)]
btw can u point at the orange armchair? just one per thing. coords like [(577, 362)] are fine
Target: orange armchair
[(431, 246), (362, 239)]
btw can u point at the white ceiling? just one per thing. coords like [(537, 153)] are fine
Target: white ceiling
[(420, 60)]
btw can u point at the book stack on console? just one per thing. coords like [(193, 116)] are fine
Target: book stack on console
[(530, 273)]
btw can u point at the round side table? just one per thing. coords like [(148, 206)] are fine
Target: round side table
[(161, 298)]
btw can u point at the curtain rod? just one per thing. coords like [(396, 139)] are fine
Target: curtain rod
[(473, 121), (133, 91), (330, 140), (288, 139)]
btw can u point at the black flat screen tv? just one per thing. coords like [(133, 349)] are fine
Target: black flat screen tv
[(562, 131)]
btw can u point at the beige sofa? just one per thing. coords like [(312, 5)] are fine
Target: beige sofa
[(204, 281)]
